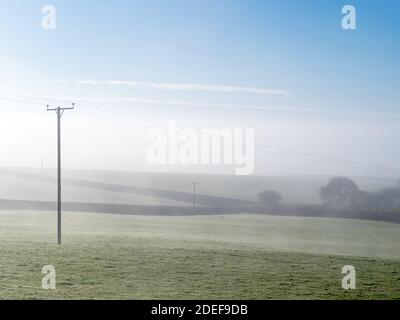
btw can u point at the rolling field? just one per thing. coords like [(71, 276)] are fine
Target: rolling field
[(221, 257), (21, 189), (295, 189)]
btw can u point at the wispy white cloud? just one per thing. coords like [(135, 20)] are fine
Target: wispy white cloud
[(63, 80), (88, 82), (184, 87)]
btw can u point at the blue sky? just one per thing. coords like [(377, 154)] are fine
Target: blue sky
[(295, 47)]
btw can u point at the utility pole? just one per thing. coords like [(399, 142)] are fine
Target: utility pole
[(59, 111), (194, 193), (42, 168)]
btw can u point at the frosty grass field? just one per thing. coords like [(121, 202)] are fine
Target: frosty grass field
[(220, 257)]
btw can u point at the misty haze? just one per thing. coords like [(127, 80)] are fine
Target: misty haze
[(279, 172)]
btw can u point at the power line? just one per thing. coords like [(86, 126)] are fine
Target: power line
[(90, 115), (292, 153), (259, 147), (326, 160)]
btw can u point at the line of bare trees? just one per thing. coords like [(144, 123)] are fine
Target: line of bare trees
[(342, 193)]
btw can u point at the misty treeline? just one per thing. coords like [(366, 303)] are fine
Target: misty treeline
[(341, 198), (269, 198), (342, 193)]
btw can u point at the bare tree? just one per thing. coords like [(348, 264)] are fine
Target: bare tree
[(269, 197), (339, 193), (389, 198)]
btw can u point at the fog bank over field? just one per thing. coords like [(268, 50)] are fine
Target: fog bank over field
[(287, 143), (165, 188)]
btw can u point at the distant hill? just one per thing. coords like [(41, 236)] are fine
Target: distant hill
[(163, 188)]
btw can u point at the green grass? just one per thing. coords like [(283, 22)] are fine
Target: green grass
[(230, 257)]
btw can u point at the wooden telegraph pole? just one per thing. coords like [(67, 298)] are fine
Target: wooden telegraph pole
[(59, 111)]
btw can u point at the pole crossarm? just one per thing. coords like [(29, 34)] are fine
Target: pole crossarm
[(61, 108)]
